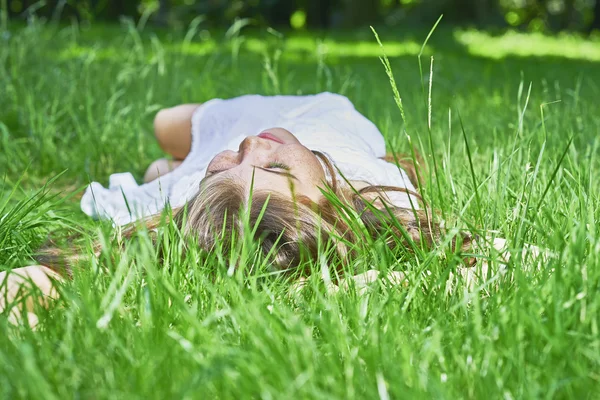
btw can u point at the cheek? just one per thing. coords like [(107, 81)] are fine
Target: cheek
[(314, 167), (303, 162)]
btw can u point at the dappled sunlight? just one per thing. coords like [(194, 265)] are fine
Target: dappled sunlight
[(75, 51), (355, 49), (295, 49), (198, 49), (482, 44), (303, 46), (104, 53)]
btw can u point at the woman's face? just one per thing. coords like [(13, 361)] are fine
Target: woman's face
[(272, 161)]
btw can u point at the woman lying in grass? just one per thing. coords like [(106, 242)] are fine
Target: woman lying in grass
[(318, 183)]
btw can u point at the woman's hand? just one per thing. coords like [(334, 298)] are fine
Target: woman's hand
[(360, 282), (474, 274), (22, 290)]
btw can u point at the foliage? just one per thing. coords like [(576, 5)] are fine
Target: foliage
[(81, 99), (533, 15)]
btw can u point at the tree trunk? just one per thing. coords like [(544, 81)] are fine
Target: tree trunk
[(318, 13), (487, 12), (462, 11), (596, 18), (277, 14), (360, 12), (114, 9), (162, 16), (567, 15), (481, 11)]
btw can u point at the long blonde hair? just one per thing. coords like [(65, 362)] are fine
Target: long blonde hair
[(289, 231), (292, 231)]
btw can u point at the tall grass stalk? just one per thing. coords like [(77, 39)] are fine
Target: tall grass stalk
[(156, 317)]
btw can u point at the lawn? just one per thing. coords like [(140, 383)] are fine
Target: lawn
[(509, 133)]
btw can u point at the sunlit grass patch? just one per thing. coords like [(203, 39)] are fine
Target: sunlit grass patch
[(517, 44), (312, 47)]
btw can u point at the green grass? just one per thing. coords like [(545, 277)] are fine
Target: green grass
[(80, 101)]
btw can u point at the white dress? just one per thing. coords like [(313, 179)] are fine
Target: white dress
[(324, 122)]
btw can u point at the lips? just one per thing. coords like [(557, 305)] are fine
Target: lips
[(270, 136)]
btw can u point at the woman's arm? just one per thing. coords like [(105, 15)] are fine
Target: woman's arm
[(173, 129), (474, 274), (21, 287)]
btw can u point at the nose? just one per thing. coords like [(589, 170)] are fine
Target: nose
[(252, 143)]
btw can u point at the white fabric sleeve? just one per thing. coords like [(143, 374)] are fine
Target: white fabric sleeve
[(125, 201)]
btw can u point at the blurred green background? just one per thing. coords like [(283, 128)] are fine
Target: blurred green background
[(531, 15), (507, 121)]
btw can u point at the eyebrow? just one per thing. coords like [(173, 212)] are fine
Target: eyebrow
[(287, 174), (279, 173)]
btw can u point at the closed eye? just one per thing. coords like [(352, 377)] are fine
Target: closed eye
[(273, 171), (278, 165)]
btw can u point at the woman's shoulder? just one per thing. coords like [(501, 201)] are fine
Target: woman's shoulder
[(281, 108), (292, 99)]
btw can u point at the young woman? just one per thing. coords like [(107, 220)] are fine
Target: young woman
[(306, 168)]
